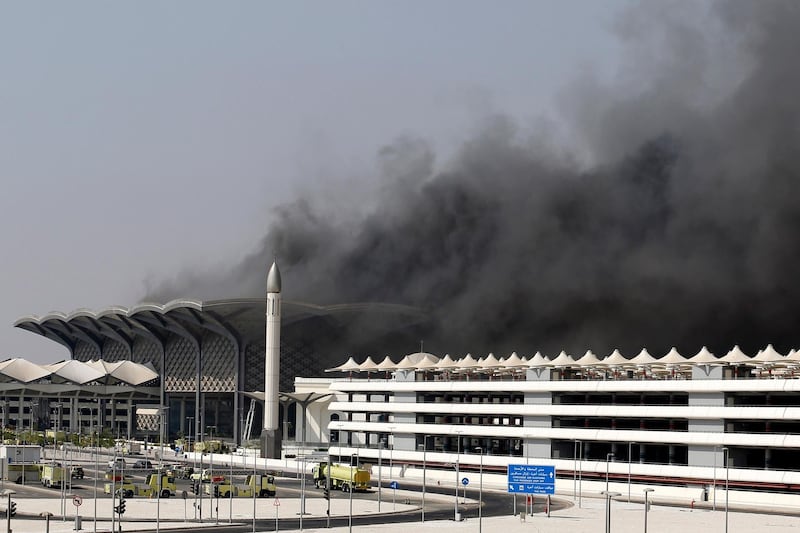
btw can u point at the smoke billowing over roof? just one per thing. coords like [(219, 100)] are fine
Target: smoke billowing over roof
[(671, 218)]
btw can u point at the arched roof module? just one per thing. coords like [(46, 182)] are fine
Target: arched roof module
[(240, 320)]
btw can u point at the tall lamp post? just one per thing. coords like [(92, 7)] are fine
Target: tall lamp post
[(609, 456), (726, 457), (95, 439), (646, 506), (353, 467), (424, 472), (608, 496), (162, 411), (480, 492), (380, 471), (211, 430), (577, 452)]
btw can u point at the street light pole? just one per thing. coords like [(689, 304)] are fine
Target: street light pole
[(424, 472), (380, 471), (608, 496), (350, 489), (161, 413), (609, 456), (458, 457), (96, 471), (480, 493), (580, 473), (646, 506), (726, 453)]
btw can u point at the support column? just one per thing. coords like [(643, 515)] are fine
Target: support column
[(182, 424), (114, 428)]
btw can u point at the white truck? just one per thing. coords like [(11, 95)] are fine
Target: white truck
[(18, 462)]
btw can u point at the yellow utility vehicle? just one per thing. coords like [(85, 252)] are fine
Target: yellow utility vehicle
[(345, 478)]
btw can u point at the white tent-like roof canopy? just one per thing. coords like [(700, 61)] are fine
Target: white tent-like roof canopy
[(77, 372), (769, 356)]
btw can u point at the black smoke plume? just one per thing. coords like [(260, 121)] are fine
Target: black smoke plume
[(672, 219)]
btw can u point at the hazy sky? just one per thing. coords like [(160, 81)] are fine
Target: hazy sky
[(141, 139)]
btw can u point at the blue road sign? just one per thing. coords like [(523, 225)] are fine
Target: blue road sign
[(532, 479), (394, 485), (465, 481)]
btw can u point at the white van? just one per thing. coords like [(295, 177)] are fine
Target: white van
[(117, 462)]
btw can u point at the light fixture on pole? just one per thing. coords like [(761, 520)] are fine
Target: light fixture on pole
[(46, 515), (609, 456), (726, 458), (608, 496), (646, 506)]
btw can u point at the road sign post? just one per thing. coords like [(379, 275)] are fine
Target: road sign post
[(394, 485), (531, 479), (277, 504)]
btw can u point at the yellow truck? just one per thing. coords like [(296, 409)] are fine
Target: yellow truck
[(221, 488), (53, 475), (262, 484), (208, 446), (124, 487), (23, 473), (168, 487), (343, 477)]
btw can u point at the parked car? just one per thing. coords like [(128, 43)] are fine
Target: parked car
[(77, 471), (143, 464)]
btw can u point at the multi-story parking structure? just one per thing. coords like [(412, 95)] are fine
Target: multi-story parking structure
[(687, 422)]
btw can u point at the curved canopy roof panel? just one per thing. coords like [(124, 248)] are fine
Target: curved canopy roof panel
[(242, 320)]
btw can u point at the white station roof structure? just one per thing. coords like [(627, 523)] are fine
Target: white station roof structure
[(768, 358), (75, 378)]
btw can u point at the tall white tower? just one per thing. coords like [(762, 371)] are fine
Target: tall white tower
[(272, 364)]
